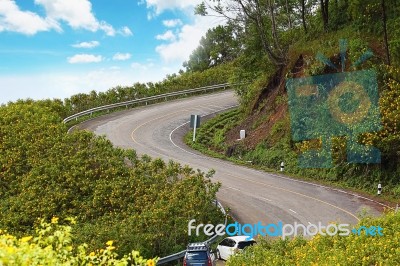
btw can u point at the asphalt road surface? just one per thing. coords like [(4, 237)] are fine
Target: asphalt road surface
[(252, 195)]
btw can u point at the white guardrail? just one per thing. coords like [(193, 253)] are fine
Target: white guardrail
[(145, 100), (181, 254)]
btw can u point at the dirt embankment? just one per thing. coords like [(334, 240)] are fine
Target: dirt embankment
[(269, 107)]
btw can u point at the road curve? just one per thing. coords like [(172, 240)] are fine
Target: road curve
[(252, 195)]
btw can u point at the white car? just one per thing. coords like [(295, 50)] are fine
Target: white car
[(233, 244)]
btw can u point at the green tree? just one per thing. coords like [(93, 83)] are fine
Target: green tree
[(257, 13), (218, 46)]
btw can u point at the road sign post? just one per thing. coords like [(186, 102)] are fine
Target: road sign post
[(194, 123)]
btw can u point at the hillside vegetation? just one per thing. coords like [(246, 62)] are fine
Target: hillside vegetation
[(171, 83), (330, 250), (139, 203), (288, 39), (299, 51), (54, 244)]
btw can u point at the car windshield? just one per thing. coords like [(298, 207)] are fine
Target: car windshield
[(197, 255), (244, 244)]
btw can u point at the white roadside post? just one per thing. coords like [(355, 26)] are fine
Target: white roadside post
[(195, 123), (242, 134), (379, 188), (282, 166), (194, 128)]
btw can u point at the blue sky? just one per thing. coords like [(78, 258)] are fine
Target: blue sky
[(56, 48)]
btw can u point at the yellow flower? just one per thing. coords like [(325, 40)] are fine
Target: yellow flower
[(9, 237), (109, 243), (10, 250), (150, 262), (26, 239), (92, 254), (54, 220)]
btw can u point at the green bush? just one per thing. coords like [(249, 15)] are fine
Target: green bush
[(140, 203), (175, 82), (53, 244), (330, 250)]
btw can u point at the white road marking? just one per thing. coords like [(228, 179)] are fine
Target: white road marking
[(292, 211), (200, 155), (262, 198)]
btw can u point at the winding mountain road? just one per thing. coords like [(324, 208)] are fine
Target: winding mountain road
[(252, 195)]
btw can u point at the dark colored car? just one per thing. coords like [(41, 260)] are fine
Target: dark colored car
[(198, 254)]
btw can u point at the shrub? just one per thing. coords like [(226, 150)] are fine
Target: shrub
[(53, 244), (330, 250)]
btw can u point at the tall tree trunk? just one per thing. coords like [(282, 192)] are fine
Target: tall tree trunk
[(325, 13), (303, 14), (257, 18), (387, 51), (253, 11), (267, 48), (274, 31), (288, 14)]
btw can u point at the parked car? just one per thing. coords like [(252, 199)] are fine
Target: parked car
[(231, 245), (198, 254)]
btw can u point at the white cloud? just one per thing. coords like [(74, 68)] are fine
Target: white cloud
[(186, 40), (77, 13), (141, 66), (187, 37), (84, 58), (25, 22), (121, 56), (161, 5), (91, 44), (107, 28), (172, 23), (166, 36), (125, 31)]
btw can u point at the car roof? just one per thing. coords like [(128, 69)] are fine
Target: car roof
[(240, 238), (200, 246)]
